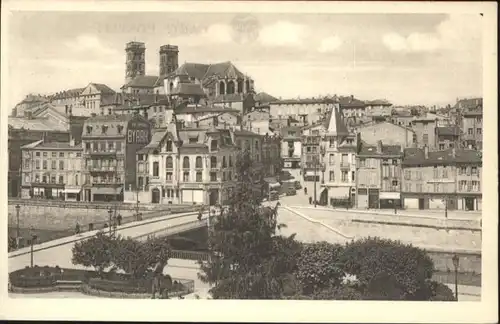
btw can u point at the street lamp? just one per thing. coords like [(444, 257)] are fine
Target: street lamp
[(110, 212), (456, 261), (17, 214), (32, 241)]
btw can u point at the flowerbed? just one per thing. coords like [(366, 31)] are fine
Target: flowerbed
[(46, 279)]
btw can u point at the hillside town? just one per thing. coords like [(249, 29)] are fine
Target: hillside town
[(173, 138)]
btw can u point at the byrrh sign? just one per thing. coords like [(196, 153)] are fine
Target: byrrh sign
[(138, 133)]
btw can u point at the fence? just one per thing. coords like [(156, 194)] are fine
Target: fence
[(189, 255), (174, 229)]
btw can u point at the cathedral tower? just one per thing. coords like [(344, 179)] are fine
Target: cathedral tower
[(136, 60), (169, 59)]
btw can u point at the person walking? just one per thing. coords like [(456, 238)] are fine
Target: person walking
[(310, 200), (77, 229), (119, 219), (305, 191)]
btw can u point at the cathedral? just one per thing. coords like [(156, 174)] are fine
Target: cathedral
[(220, 82)]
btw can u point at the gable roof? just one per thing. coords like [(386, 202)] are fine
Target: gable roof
[(142, 81), (334, 123), (387, 150), (203, 72), (350, 102), (103, 89)]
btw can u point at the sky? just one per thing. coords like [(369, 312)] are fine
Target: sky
[(404, 58)]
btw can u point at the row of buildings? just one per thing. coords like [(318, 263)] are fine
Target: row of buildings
[(378, 167)]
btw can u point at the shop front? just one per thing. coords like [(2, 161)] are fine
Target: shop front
[(107, 194), (390, 200), (48, 191), (72, 193)]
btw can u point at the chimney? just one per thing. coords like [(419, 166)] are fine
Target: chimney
[(426, 152), (379, 147)]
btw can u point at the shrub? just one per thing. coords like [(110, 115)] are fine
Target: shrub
[(318, 266), (381, 265)]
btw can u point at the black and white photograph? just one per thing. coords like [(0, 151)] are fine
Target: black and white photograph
[(278, 153)]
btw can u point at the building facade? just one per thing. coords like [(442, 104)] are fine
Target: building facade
[(388, 133), (449, 179), (308, 111), (339, 162), (109, 145), (378, 183), (52, 170), (425, 132), (291, 147), (447, 137), (472, 129), (135, 60)]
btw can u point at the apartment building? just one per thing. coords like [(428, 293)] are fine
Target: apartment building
[(110, 143), (308, 111), (447, 137), (312, 152), (425, 132), (443, 179), (52, 170), (291, 147), (472, 129), (378, 183), (338, 148)]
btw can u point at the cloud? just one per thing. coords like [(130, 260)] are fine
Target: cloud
[(330, 44), (283, 34), (89, 44), (456, 33)]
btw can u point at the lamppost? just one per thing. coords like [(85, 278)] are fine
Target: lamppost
[(456, 261), (110, 212), (17, 215), (32, 241)]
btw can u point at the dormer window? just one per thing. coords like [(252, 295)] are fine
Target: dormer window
[(89, 130), (214, 145), (119, 128), (104, 128)]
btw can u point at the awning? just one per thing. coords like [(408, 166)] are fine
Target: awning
[(338, 192), (73, 190), (106, 191), (390, 195)]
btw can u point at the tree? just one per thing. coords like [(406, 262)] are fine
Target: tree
[(96, 252), (403, 269), (318, 267), (246, 257)]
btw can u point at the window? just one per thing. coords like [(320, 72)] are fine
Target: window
[(224, 164), (185, 162), (118, 146), (52, 179), (229, 176), (470, 131), (213, 162), (463, 185), (332, 176), (353, 176), (37, 154), (478, 131), (111, 146), (61, 179), (61, 165), (169, 176), (213, 176), (308, 149), (435, 172), (103, 147), (462, 170), (185, 176), (414, 138), (441, 147), (26, 178), (425, 139), (37, 164), (223, 176), (169, 162), (474, 170), (230, 161), (256, 145), (394, 162), (140, 182), (44, 154), (198, 176), (345, 176), (76, 180), (26, 164), (445, 172), (394, 183), (331, 160), (54, 154), (156, 169), (199, 163), (169, 146), (45, 165), (44, 179), (61, 154), (87, 146), (214, 145)]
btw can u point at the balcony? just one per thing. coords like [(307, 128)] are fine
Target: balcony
[(345, 165), (107, 184), (111, 153), (103, 169)]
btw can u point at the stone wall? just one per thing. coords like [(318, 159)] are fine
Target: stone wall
[(468, 262)]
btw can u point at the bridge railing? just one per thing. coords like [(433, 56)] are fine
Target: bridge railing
[(174, 229)]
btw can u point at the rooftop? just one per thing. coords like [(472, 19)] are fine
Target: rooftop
[(36, 124), (448, 131), (416, 156), (387, 150), (41, 145), (142, 81)]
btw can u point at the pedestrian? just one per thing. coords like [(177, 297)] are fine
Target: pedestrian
[(305, 191), (119, 219), (310, 200), (77, 229), (200, 215), (105, 225)]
